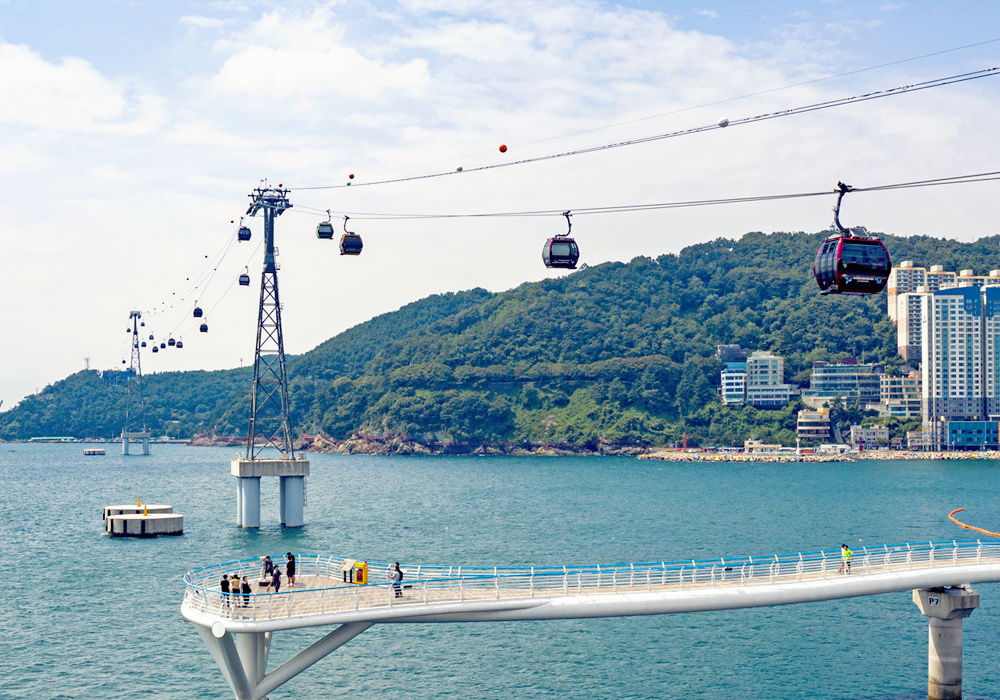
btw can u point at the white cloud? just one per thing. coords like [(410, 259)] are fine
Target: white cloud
[(69, 96), (201, 22), (286, 55), (707, 13)]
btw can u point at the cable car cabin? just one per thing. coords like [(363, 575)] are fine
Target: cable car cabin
[(351, 244), (244, 280), (852, 265), (197, 312), (324, 230), (171, 342), (150, 336), (163, 346), (143, 324), (144, 343), (180, 344), (203, 328), (244, 234), (560, 252), (155, 349)]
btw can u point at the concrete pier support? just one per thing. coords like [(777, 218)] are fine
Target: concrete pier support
[(292, 474), (945, 609), (248, 501), (253, 649), (127, 437), (292, 490)]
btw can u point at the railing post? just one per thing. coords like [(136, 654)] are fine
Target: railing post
[(681, 577), (532, 582), (663, 566), (357, 604), (496, 582), (425, 593), (932, 552), (799, 567), (954, 557), (598, 576), (822, 568), (713, 575), (565, 581), (322, 601), (649, 582), (614, 580), (979, 551), (288, 605), (461, 590), (631, 580)]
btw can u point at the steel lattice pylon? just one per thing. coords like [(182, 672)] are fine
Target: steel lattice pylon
[(135, 405), (269, 426)]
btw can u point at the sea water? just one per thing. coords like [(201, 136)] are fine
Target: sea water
[(87, 616)]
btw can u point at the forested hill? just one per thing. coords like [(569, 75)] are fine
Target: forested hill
[(620, 350)]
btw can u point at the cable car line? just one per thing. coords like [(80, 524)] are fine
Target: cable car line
[(951, 180), (722, 124), (690, 109)]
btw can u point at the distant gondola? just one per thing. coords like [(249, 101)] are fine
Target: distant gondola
[(155, 349), (324, 230), (350, 242), (561, 251), (244, 233), (144, 343), (163, 346), (150, 336), (197, 312), (851, 261), (244, 280), (171, 342), (203, 328), (180, 344)]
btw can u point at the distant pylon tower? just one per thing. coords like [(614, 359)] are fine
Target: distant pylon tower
[(269, 425), (135, 405)]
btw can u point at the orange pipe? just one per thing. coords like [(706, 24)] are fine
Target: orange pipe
[(977, 529)]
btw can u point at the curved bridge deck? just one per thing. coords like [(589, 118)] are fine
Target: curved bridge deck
[(453, 594)]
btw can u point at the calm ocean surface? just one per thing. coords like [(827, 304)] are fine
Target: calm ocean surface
[(85, 616)]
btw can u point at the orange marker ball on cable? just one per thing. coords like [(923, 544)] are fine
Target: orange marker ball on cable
[(503, 148)]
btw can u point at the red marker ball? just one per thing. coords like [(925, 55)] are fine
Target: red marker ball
[(351, 176), (503, 148)]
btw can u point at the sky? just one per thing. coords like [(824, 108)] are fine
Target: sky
[(131, 134)]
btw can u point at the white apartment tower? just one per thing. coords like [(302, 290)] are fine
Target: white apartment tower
[(903, 279), (909, 328), (953, 354)]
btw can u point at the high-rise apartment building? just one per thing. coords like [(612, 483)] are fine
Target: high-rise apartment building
[(903, 279), (952, 354), (900, 396), (909, 341)]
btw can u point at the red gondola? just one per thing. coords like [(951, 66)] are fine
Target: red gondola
[(244, 232), (350, 242), (851, 261), (561, 251)]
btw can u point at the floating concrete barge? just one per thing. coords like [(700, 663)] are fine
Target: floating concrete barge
[(142, 521)]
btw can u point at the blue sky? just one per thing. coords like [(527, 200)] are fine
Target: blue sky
[(131, 133)]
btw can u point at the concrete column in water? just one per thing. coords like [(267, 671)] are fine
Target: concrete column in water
[(292, 490), (945, 609), (292, 473), (249, 500), (124, 445)]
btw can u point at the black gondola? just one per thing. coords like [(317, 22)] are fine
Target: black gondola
[(163, 346), (244, 234), (203, 328), (143, 323), (350, 242), (155, 349), (144, 343), (851, 261), (561, 251), (180, 344), (150, 336), (171, 342), (245, 278), (197, 312)]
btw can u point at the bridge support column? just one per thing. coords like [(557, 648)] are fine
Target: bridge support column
[(248, 501), (945, 609)]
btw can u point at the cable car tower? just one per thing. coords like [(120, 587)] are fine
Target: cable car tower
[(135, 406), (269, 425)]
